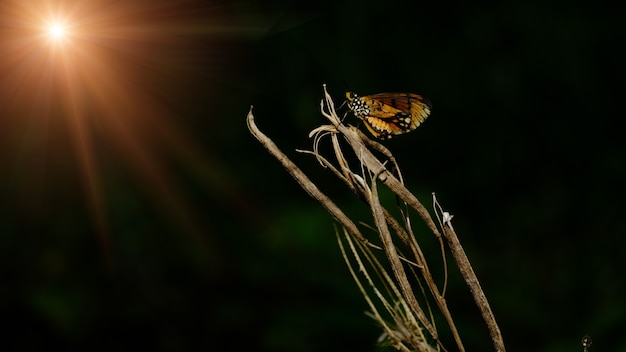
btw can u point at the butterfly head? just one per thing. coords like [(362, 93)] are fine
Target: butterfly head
[(357, 105)]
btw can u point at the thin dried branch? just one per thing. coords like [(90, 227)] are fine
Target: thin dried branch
[(398, 268), (303, 180), (376, 167), (405, 334), (470, 278)]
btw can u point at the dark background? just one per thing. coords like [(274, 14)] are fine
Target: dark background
[(216, 248)]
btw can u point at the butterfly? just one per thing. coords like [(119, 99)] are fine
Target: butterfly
[(389, 114)]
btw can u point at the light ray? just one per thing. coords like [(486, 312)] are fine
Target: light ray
[(100, 85)]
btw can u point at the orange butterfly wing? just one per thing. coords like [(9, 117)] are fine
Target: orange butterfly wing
[(389, 114)]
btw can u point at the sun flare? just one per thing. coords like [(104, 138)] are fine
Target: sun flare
[(57, 31), (81, 78)]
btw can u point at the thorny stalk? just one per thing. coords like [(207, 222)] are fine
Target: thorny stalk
[(364, 184)]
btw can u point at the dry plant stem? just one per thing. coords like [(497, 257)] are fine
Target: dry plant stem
[(462, 262), (375, 313), (404, 320), (457, 251), (398, 269), (355, 139), (383, 150), (412, 244), (472, 281), (376, 167), (417, 253), (303, 180), (408, 239)]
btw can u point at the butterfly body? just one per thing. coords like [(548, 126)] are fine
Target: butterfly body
[(389, 114)]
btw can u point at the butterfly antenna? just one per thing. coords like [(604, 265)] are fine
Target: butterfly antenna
[(345, 85), (347, 89)]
